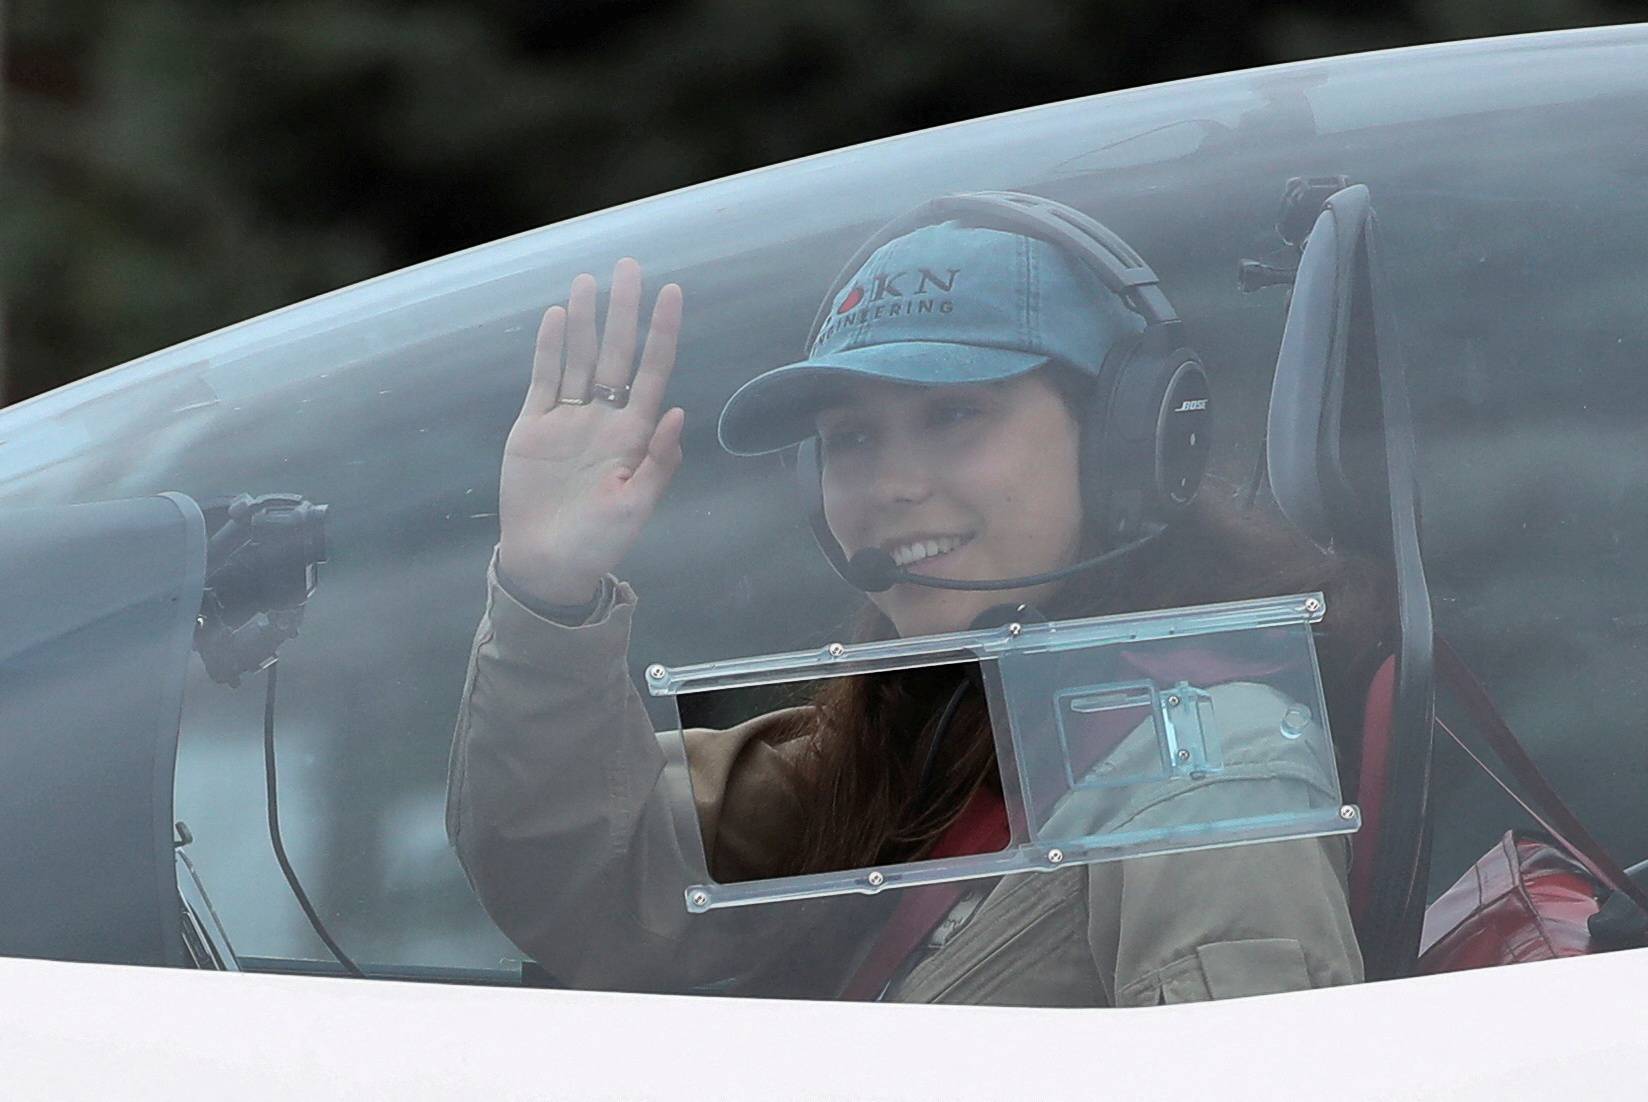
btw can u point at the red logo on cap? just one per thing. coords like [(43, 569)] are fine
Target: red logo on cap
[(854, 297)]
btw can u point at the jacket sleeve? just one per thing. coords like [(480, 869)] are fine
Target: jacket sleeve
[(1248, 919), (1217, 924), (557, 807)]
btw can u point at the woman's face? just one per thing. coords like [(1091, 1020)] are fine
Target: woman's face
[(971, 482)]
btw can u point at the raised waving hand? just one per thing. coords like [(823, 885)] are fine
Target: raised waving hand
[(591, 453)]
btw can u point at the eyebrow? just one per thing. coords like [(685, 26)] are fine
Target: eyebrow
[(841, 403)]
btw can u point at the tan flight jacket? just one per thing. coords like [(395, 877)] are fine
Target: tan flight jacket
[(570, 841)]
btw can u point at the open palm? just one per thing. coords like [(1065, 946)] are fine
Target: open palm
[(590, 455)]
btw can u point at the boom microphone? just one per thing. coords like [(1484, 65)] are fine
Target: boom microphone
[(872, 570)]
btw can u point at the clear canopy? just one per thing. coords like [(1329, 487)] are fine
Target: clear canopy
[(1509, 182)]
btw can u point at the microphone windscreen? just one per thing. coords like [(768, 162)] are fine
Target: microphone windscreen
[(872, 570)]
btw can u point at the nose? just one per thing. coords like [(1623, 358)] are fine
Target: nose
[(903, 473)]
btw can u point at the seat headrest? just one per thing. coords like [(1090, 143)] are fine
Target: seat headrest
[(1324, 440)]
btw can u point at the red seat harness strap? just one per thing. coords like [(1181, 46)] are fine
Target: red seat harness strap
[(980, 828)]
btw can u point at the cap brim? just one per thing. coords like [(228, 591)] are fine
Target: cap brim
[(777, 408)]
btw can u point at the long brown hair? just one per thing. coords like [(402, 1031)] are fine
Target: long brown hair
[(859, 784)]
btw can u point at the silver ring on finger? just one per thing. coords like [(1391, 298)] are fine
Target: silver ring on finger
[(612, 395), (565, 401)]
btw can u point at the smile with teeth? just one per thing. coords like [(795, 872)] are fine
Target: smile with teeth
[(913, 551)]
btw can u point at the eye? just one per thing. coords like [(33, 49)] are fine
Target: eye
[(839, 439), (955, 411)]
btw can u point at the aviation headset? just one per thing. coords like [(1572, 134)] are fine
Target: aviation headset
[(1147, 426)]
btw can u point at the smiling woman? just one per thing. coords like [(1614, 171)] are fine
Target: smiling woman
[(964, 445)]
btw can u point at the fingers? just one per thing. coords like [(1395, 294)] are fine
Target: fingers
[(658, 357), (663, 458), (571, 354), (546, 362), (617, 357), (581, 341)]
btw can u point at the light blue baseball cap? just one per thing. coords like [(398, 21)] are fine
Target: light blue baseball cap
[(943, 304)]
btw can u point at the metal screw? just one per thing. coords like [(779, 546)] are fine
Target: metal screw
[(1184, 755), (655, 672), (836, 650), (1347, 812), (1312, 605), (876, 879), (1173, 701), (1055, 856), (700, 899), (1015, 630)]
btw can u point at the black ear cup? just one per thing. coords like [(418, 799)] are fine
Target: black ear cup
[(1184, 433), (1146, 437)]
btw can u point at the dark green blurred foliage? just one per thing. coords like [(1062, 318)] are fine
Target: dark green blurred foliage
[(176, 165)]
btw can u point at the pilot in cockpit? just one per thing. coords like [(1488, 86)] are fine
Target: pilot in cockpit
[(968, 412)]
